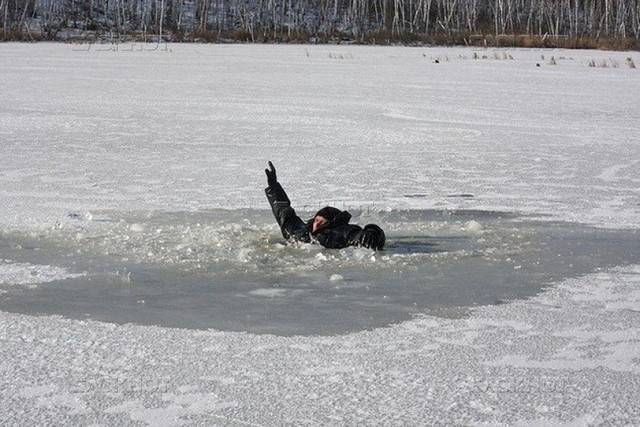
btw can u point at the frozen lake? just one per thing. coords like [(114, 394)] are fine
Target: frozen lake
[(142, 278)]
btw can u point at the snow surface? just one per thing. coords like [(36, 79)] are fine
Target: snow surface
[(190, 127), (569, 355)]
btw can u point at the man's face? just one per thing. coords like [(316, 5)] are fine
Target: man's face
[(318, 222)]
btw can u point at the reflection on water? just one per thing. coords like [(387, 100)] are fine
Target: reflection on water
[(232, 270)]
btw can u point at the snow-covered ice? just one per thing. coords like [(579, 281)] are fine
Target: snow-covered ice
[(88, 135), (568, 355), (191, 128)]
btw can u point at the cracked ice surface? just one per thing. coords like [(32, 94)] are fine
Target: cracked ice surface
[(191, 128)]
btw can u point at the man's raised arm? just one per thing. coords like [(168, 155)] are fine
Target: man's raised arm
[(291, 225)]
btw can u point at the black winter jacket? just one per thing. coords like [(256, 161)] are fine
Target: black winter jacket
[(337, 233)]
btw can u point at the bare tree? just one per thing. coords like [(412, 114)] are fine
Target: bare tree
[(274, 19)]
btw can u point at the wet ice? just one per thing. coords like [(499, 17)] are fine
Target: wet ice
[(232, 270)]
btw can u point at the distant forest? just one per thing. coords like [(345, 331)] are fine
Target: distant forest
[(569, 23)]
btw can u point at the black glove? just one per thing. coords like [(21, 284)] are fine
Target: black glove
[(372, 237), (271, 175)]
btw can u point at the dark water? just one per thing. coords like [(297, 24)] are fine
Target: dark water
[(230, 270)]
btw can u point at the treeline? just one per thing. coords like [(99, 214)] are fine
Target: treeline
[(578, 23)]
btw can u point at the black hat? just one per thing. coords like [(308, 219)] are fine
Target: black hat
[(328, 212)]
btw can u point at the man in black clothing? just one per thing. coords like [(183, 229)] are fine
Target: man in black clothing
[(330, 226)]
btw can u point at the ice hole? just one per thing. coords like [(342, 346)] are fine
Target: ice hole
[(231, 269)]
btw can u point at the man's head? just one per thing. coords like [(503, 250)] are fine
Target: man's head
[(323, 217)]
